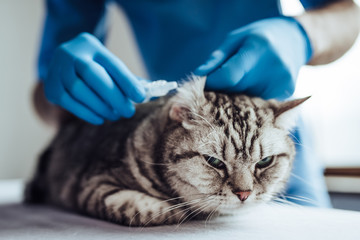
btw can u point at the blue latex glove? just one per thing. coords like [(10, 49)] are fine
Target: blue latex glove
[(88, 80), (261, 59)]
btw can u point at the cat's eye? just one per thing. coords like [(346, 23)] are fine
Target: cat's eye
[(215, 162), (265, 162)]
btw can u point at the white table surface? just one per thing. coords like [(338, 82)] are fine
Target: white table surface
[(19, 221)]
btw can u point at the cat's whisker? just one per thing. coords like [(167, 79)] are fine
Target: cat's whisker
[(207, 136), (197, 211), (162, 213), (275, 199), (198, 115), (298, 196), (184, 204), (212, 213), (174, 207), (287, 202), (301, 199), (184, 214), (184, 196), (285, 198), (301, 179), (298, 142), (212, 132), (282, 194), (205, 199), (171, 199), (306, 147), (208, 143), (186, 210)]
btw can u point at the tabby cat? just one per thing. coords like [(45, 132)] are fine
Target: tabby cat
[(192, 155)]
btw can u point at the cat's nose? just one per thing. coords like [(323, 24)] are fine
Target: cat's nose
[(242, 195)]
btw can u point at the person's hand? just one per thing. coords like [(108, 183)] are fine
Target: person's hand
[(261, 59), (88, 80)]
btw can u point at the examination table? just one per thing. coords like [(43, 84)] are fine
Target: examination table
[(20, 221)]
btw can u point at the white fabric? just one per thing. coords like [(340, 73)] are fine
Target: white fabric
[(19, 221)]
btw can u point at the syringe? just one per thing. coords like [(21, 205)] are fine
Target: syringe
[(158, 88)]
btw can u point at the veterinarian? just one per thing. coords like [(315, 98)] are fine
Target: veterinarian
[(242, 46)]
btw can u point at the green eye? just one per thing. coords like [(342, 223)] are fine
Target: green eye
[(265, 162), (215, 162)]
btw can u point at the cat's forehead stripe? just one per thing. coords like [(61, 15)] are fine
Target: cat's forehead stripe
[(241, 118)]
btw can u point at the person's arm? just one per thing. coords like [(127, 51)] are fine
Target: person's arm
[(263, 58), (64, 20), (332, 29), (78, 72)]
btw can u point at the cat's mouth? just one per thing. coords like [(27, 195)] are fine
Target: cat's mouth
[(225, 204)]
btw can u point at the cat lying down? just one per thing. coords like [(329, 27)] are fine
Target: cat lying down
[(193, 155)]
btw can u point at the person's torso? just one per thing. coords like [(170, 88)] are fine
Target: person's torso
[(176, 36)]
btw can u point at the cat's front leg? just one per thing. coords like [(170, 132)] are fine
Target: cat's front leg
[(133, 208), (128, 207)]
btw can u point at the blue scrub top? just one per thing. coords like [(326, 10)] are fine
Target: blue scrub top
[(174, 36)]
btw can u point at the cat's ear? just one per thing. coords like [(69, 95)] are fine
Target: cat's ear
[(188, 100), (179, 113), (286, 113)]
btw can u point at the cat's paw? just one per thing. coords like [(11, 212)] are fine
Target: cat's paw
[(137, 209)]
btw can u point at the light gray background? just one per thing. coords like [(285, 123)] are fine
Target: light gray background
[(22, 135), (333, 110)]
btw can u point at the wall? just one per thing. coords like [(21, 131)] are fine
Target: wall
[(22, 135)]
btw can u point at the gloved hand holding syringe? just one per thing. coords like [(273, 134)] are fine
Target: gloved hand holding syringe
[(157, 88), (89, 81)]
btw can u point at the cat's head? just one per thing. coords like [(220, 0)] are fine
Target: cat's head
[(227, 151)]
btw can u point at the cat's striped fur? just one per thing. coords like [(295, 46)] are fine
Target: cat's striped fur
[(152, 169)]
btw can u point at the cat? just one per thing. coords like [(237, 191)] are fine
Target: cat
[(191, 155)]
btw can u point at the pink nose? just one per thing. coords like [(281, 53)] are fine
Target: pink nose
[(243, 195)]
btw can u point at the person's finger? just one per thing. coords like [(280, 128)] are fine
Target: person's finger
[(82, 93), (214, 61), (231, 72), (278, 84), (219, 56), (262, 75), (124, 78), (72, 105), (97, 78)]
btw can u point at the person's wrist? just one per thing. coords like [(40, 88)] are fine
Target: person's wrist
[(302, 32)]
